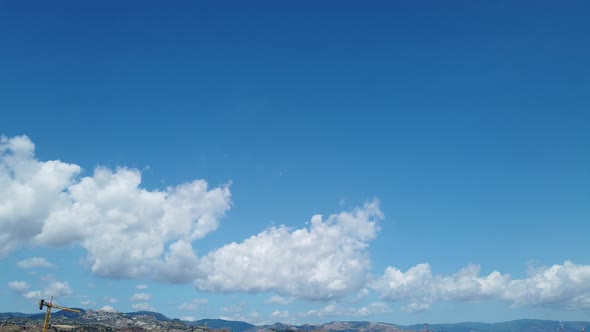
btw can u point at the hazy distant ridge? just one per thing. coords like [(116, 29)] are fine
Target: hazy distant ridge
[(522, 325)]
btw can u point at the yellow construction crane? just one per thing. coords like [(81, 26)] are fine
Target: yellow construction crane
[(50, 305)]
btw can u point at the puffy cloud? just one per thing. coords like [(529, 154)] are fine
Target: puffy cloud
[(19, 286), (132, 232), (334, 309), (125, 228), (32, 295), (34, 262), (141, 297), (29, 191), (54, 288), (128, 231), (141, 287), (564, 286), (58, 289), (362, 294), (108, 308), (180, 264), (374, 308), (193, 305), (418, 284), (325, 261)]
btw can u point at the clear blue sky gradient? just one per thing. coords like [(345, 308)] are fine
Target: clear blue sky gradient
[(468, 120)]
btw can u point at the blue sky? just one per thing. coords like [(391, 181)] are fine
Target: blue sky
[(176, 157)]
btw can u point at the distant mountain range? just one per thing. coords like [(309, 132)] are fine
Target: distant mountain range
[(523, 325), (235, 326)]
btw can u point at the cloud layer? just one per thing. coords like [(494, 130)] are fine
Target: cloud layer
[(53, 288), (564, 286), (131, 232), (34, 262), (127, 231), (325, 261)]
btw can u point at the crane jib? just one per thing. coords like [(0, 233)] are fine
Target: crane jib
[(50, 305)]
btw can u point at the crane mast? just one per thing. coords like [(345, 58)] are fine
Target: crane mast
[(50, 305)]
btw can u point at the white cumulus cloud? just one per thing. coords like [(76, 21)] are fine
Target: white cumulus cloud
[(34, 262), (373, 309), (108, 308), (141, 297), (131, 232), (58, 289), (29, 191), (19, 286), (325, 261), (127, 231), (564, 286), (335, 309), (32, 295), (54, 288)]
